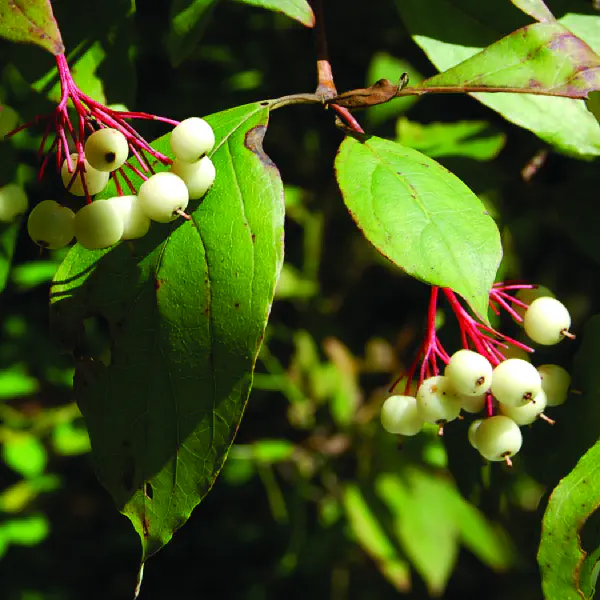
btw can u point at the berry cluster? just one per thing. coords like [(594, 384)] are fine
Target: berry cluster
[(511, 391), (162, 197), (103, 140)]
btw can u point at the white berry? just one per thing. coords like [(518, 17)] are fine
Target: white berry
[(528, 413), (135, 221), (472, 404), (192, 139), (198, 176), (98, 225), (498, 438), (515, 382), (50, 225), (399, 415), (163, 196), (473, 427), (95, 180), (106, 149), (546, 321), (13, 202), (469, 372), (528, 295), (555, 383), (436, 401)]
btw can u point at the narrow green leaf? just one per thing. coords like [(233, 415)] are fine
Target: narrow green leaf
[(30, 21), (188, 22), (543, 58), (472, 139), (186, 308), (421, 217), (374, 539), (8, 240), (534, 8), (298, 10), (464, 27), (560, 555)]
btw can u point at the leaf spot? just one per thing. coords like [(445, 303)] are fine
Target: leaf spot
[(254, 142)]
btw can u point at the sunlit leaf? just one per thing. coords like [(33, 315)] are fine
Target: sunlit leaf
[(186, 308), (30, 21), (420, 216), (299, 10), (560, 555)]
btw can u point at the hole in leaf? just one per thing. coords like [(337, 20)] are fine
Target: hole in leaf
[(148, 492)]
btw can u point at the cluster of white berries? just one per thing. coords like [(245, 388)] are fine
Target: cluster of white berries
[(514, 393), (162, 197), (13, 202)]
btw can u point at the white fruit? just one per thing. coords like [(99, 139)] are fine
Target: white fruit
[(528, 295), (13, 202), (198, 176), (555, 383), (528, 413), (546, 321), (135, 221), (399, 415), (96, 180), (436, 401), (50, 225), (192, 139), (473, 427), (106, 149), (498, 437), (472, 404), (515, 382), (162, 196), (98, 225), (469, 373)]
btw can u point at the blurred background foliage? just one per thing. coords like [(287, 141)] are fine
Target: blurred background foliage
[(316, 500)]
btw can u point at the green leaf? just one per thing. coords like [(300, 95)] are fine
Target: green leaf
[(24, 453), (188, 22), (186, 308), (421, 217), (471, 139), (30, 21), (9, 233), (560, 556), (430, 518), (464, 27), (534, 8), (299, 10), (373, 537), (543, 58)]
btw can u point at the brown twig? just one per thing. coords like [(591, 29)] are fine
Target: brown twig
[(326, 87)]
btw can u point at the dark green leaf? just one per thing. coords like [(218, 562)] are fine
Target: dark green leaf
[(463, 27), (30, 21), (188, 22), (299, 10), (543, 58), (421, 217), (473, 139), (534, 8), (186, 308), (560, 556)]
